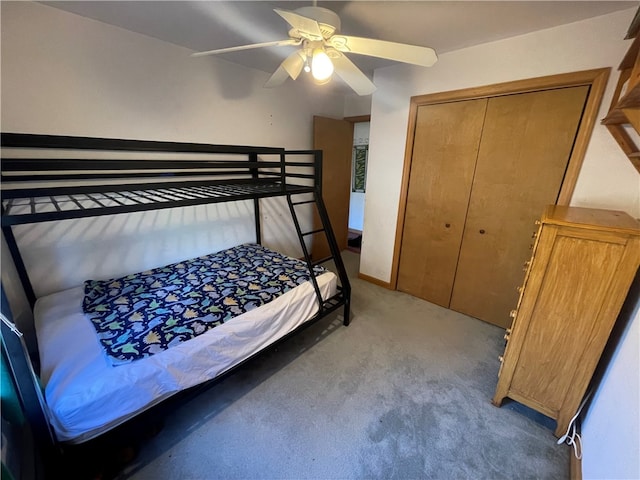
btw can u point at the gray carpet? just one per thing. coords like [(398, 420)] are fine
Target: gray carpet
[(403, 392)]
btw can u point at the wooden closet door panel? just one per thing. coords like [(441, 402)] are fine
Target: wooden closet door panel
[(526, 144), (445, 149)]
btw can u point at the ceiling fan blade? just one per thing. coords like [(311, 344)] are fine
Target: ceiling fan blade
[(305, 25), (277, 78), (352, 76), (290, 67), (294, 64), (400, 52), (278, 43)]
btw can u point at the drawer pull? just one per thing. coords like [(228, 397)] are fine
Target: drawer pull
[(508, 330), (501, 358), (519, 289), (526, 265), (513, 313), (506, 337), (538, 222)]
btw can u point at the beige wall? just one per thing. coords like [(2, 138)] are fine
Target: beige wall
[(65, 74), (607, 180), (355, 105)]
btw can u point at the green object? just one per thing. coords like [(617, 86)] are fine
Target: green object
[(10, 405), (12, 423), (6, 474), (360, 153)]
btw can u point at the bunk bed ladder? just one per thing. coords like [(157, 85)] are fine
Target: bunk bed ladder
[(345, 287)]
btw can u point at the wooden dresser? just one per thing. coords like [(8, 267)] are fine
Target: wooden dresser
[(582, 266)]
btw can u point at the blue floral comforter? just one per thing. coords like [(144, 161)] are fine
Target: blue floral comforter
[(145, 313)]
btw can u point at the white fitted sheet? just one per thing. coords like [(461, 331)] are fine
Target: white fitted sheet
[(87, 396)]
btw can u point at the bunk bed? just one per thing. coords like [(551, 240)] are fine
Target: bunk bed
[(91, 383)]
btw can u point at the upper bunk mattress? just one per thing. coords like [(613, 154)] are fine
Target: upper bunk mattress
[(87, 395)]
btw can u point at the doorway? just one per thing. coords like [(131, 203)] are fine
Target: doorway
[(337, 138), (359, 161)]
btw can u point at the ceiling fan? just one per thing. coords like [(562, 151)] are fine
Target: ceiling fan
[(317, 31)]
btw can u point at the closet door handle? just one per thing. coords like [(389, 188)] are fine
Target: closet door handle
[(447, 225), (482, 231)]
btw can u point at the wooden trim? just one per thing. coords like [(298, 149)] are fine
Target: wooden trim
[(404, 191), (589, 117), (358, 119), (573, 79), (375, 281), (575, 467), (596, 79)]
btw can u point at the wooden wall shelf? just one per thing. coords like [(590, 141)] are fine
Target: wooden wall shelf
[(625, 106)]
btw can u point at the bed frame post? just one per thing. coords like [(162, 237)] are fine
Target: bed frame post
[(14, 352), (20, 267), (317, 166), (253, 157), (337, 258)]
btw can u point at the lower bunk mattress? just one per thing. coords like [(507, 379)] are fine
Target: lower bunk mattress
[(87, 395)]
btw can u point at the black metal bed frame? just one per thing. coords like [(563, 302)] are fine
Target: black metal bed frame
[(56, 187)]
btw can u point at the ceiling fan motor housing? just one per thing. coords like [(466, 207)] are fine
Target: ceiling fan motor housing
[(328, 20)]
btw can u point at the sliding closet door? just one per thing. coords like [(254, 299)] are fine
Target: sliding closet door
[(445, 148), (526, 144)]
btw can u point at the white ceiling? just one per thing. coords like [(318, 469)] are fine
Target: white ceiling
[(444, 26)]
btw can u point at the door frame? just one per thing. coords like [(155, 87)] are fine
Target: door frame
[(354, 120), (358, 119), (596, 79)]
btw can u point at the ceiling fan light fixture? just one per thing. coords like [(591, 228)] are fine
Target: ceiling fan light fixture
[(323, 50), (321, 66)]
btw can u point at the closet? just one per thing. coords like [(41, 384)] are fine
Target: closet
[(481, 171)]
